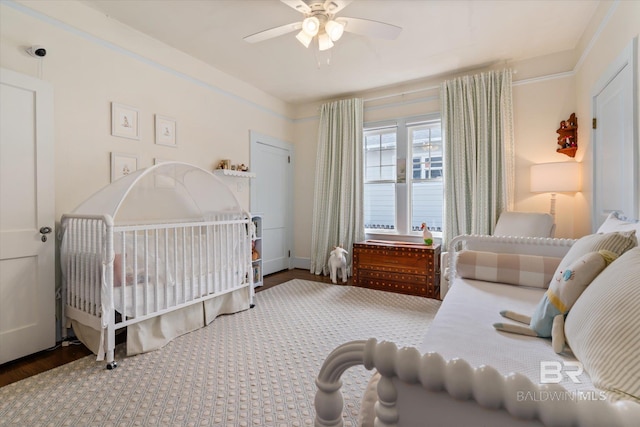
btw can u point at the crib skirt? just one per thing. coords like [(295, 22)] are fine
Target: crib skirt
[(156, 332)]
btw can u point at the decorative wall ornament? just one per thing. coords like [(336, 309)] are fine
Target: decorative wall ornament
[(123, 164), (124, 121), (165, 131), (568, 136)]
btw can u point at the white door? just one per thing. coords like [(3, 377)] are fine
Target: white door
[(615, 144), (271, 196), (27, 278)]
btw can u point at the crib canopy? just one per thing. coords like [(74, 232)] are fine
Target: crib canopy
[(166, 192)]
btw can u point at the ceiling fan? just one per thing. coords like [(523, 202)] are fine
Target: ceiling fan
[(321, 23)]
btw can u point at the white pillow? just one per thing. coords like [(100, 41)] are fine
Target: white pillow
[(616, 222), (602, 327)]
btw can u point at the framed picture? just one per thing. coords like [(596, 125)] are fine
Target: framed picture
[(123, 164), (165, 131), (124, 121)]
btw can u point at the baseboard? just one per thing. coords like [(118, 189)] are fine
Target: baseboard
[(302, 263)]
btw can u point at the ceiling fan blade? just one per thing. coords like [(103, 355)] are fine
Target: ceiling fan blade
[(273, 32), (335, 6), (298, 5), (367, 27)]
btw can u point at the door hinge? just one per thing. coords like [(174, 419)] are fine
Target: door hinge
[(289, 254), (593, 123), (288, 159)]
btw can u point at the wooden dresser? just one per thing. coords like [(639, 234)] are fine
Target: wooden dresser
[(407, 268)]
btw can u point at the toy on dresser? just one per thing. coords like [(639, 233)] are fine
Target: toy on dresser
[(426, 234)]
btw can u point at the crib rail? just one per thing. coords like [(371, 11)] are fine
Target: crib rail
[(118, 275)]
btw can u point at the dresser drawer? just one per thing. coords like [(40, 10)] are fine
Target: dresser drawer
[(398, 260), (374, 275)]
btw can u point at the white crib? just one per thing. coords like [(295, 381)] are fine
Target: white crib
[(140, 260)]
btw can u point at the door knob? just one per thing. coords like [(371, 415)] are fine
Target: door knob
[(44, 231)]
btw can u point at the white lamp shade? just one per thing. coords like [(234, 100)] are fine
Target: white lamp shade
[(334, 29), (304, 38), (311, 25), (324, 42), (562, 177)]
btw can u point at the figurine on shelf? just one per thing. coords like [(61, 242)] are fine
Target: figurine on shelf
[(243, 168), (426, 234)]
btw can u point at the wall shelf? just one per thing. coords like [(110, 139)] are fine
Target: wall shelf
[(568, 136), (230, 172)]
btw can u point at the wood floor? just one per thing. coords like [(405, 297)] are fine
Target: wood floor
[(43, 361)]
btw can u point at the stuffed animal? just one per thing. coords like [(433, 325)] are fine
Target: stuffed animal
[(338, 261), (564, 290)]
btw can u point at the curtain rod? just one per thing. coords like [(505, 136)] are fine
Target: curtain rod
[(401, 93)]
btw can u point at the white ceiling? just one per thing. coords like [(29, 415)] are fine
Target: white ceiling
[(438, 37)]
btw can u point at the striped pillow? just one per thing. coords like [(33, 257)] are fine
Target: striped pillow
[(616, 242), (602, 327), (514, 269)]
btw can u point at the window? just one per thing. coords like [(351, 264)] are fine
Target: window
[(403, 185)]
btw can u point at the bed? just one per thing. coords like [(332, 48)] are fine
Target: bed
[(160, 252), (465, 372)]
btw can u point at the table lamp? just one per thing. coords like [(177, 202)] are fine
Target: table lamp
[(561, 177)]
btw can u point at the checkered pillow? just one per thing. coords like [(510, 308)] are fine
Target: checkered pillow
[(514, 269)]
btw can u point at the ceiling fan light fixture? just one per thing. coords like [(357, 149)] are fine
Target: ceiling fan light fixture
[(311, 25), (304, 38), (324, 42), (334, 29)]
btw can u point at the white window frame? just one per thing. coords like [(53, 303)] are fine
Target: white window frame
[(404, 171)]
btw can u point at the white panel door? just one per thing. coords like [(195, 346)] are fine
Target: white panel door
[(27, 278), (615, 145), (270, 196)]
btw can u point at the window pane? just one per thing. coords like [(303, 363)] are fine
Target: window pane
[(380, 206), (427, 200), (426, 189), (426, 149), (380, 154)]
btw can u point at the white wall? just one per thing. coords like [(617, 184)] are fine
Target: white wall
[(544, 97), (546, 91), (621, 24), (93, 61)]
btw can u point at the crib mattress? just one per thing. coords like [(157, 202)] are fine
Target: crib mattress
[(143, 298)]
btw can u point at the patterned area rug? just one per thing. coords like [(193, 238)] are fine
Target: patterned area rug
[(254, 368)]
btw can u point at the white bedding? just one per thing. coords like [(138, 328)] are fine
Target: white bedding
[(463, 328), (166, 295)]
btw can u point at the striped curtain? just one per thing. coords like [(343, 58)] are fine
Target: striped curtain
[(338, 198), (477, 123)]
